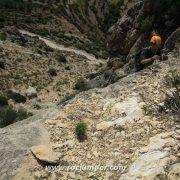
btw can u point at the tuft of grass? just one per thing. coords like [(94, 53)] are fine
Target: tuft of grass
[(81, 131), (81, 85), (52, 72), (22, 114), (67, 98), (61, 58), (67, 68)]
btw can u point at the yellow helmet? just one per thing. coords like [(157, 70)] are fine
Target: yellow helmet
[(156, 40)]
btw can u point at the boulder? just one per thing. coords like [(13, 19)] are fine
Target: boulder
[(31, 92), (108, 76), (44, 154)]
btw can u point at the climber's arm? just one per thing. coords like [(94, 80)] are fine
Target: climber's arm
[(145, 61)]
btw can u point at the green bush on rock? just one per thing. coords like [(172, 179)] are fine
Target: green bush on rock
[(81, 85), (3, 100), (172, 101), (3, 36), (61, 58), (8, 115), (81, 131)]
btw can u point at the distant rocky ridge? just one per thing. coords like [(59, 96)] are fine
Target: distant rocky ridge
[(77, 23)]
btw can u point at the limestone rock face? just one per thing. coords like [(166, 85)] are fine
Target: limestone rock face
[(123, 35), (152, 160), (44, 154), (172, 40)]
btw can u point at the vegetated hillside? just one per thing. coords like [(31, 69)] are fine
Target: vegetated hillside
[(28, 61), (35, 74), (80, 23)]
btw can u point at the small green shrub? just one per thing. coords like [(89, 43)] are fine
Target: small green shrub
[(147, 24), (67, 68), (172, 79), (172, 101), (67, 98), (3, 36), (52, 72), (61, 58), (22, 114), (18, 98), (81, 131), (36, 106), (2, 64), (7, 116), (3, 100), (42, 32), (81, 85)]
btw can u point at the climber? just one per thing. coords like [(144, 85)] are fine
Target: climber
[(148, 55)]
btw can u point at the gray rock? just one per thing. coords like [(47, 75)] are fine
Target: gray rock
[(31, 92), (152, 159), (17, 139)]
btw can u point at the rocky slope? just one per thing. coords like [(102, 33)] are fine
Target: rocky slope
[(43, 56), (119, 132)]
